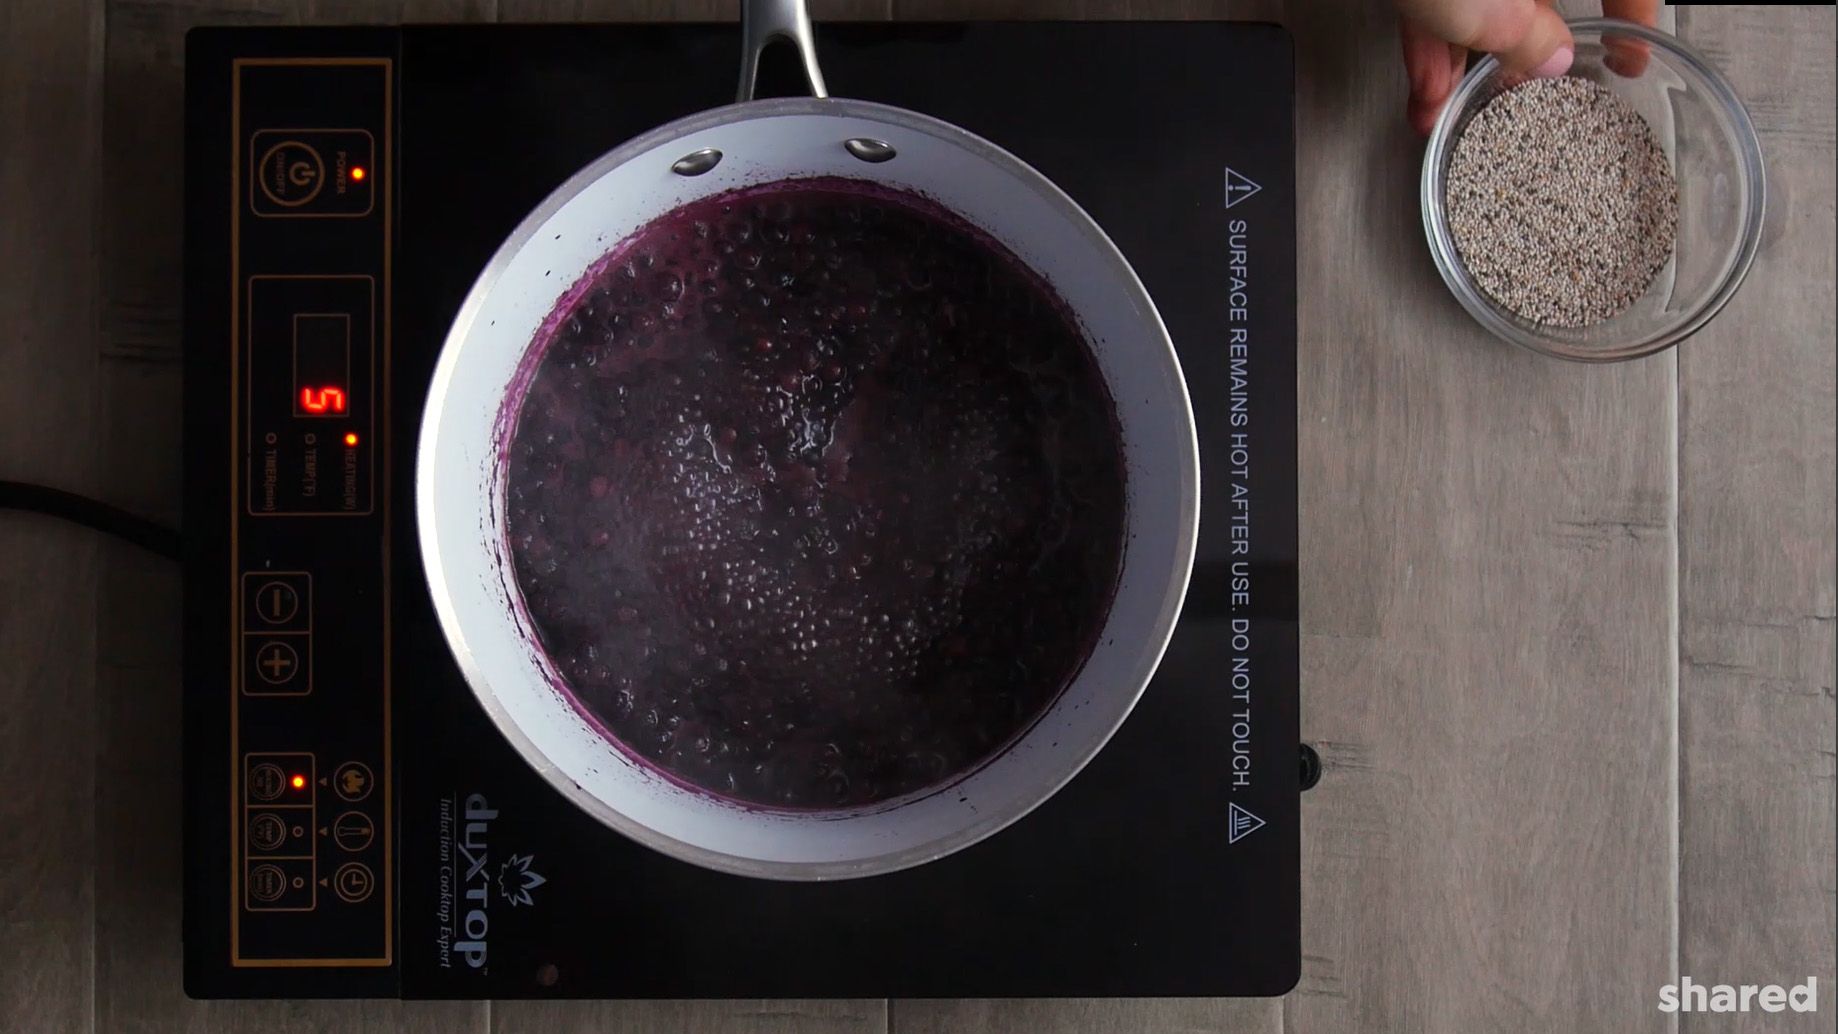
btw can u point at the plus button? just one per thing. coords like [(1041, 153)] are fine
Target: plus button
[(276, 661)]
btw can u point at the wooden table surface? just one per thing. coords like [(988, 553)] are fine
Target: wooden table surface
[(1568, 632)]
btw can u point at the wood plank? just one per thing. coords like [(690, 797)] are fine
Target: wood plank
[(700, 1017), (1175, 10), (1756, 627), (1078, 1015), (674, 10), (50, 122), (346, 12), (1486, 606), (137, 728)]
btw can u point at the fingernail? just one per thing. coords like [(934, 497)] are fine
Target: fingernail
[(1557, 64)]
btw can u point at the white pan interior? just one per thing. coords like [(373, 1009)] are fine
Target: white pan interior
[(458, 497)]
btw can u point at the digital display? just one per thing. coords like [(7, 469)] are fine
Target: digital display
[(322, 401), (322, 364), (311, 366)]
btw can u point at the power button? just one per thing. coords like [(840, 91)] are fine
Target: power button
[(290, 173), (311, 173)]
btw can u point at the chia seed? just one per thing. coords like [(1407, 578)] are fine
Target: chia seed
[(1561, 202)]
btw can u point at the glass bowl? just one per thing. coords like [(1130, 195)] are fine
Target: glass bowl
[(1715, 156)]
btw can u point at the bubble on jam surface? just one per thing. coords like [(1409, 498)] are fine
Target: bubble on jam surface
[(813, 499)]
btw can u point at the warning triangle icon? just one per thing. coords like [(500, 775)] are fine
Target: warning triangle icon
[(1238, 187), (1241, 824)]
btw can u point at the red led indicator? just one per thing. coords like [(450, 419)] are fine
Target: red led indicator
[(298, 782), (357, 172), (322, 400), (350, 438)]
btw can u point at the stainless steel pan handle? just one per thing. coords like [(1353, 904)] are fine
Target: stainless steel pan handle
[(762, 22)]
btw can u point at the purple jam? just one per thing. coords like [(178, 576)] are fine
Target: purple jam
[(815, 498)]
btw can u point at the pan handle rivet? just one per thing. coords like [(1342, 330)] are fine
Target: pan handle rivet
[(695, 163), (869, 150)]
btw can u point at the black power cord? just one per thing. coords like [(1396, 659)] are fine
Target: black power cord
[(55, 502)]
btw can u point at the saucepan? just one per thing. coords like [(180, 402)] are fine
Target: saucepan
[(460, 494)]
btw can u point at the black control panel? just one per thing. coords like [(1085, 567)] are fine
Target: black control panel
[(309, 254)]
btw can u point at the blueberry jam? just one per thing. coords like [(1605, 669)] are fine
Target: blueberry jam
[(815, 497)]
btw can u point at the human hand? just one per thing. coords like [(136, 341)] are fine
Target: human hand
[(1528, 37)]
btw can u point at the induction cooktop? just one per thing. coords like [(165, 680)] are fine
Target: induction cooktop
[(356, 826)]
